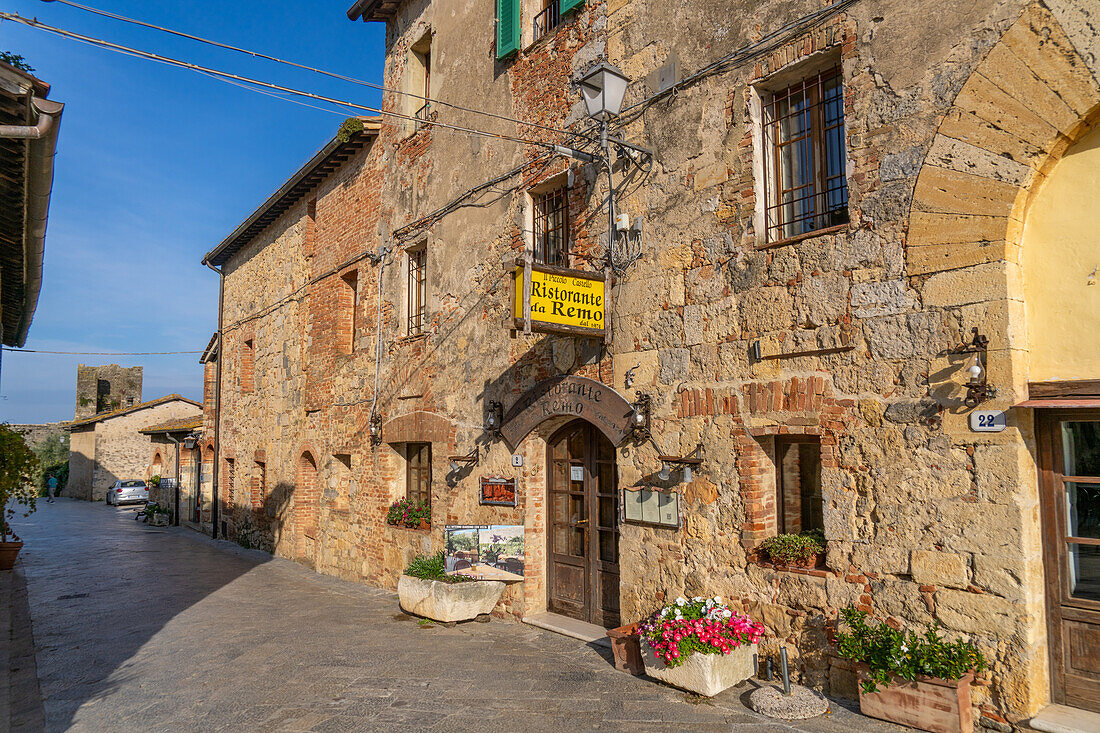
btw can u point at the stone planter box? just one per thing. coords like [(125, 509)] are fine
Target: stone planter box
[(703, 674), (926, 703), (441, 601)]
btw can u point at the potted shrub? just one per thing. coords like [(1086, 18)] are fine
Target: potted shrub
[(699, 645), (17, 472), (156, 515), (919, 680), (425, 589), (405, 513), (806, 550)]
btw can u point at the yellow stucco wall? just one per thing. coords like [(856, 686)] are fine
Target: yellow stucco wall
[(1060, 257)]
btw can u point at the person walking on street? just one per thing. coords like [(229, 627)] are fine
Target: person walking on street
[(52, 486)]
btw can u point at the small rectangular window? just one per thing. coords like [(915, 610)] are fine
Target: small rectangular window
[(229, 466), (552, 227), (346, 312), (311, 227), (418, 472), (806, 186), (420, 79), (248, 366), (798, 485), (259, 484), (418, 290)]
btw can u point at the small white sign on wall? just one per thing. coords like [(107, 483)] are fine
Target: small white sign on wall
[(576, 473), (517, 460), (988, 421)]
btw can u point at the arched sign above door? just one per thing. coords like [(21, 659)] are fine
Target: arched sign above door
[(569, 396)]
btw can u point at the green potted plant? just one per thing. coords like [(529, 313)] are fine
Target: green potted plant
[(699, 645), (426, 589), (18, 467), (805, 550), (920, 680)]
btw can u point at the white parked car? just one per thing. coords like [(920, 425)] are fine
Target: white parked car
[(131, 491)]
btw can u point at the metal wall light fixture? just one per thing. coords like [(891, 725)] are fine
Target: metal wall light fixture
[(190, 440), (374, 427), (470, 459), (639, 420), (686, 463), (494, 417), (978, 388), (603, 88)]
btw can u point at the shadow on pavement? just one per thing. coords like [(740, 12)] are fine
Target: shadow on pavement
[(99, 585)]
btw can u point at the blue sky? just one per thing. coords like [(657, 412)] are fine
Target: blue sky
[(155, 166)]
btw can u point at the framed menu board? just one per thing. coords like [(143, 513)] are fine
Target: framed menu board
[(642, 505), (498, 491)]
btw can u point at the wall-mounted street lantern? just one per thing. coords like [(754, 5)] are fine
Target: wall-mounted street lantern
[(470, 459), (603, 88), (686, 463), (494, 417), (639, 419), (978, 388), (374, 427), (190, 441)]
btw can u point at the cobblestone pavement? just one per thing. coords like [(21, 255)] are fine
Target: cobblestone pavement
[(139, 628)]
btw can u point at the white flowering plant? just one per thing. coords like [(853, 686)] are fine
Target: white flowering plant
[(697, 626)]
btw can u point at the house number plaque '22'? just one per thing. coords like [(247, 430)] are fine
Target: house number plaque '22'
[(988, 421)]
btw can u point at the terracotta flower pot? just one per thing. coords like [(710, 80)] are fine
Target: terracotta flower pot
[(8, 552), (926, 703), (626, 646), (424, 524)]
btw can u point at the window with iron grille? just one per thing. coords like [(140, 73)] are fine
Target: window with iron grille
[(548, 19), (552, 227), (418, 472), (805, 182), (418, 290)]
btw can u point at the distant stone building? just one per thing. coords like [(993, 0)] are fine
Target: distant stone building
[(854, 292), (107, 447), (35, 434), (106, 388)]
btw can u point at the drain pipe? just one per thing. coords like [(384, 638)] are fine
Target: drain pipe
[(176, 511), (214, 514)]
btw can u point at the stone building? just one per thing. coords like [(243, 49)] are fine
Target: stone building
[(854, 292), (176, 457), (110, 446), (106, 388)]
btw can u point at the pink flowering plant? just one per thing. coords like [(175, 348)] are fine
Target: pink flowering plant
[(697, 626), (408, 513)]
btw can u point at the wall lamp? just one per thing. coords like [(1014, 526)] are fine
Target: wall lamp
[(686, 463), (470, 459), (374, 427), (639, 420), (978, 389), (494, 417)]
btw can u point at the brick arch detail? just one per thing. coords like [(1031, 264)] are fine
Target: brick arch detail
[(1021, 108), (307, 497)]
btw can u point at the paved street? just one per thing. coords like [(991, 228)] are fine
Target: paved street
[(137, 628)]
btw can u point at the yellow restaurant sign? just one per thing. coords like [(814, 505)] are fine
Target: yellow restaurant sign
[(562, 302)]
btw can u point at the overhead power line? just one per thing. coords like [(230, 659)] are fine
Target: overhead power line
[(332, 74), (231, 78), (99, 353)]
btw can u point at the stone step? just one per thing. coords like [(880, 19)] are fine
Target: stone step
[(559, 624), (1064, 719)]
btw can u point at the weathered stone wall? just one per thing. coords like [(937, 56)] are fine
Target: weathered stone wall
[(923, 519), (35, 434), (121, 451), (105, 388), (81, 463)]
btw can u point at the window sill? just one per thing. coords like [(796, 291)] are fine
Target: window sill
[(818, 571), (425, 529), (808, 235), (403, 340)]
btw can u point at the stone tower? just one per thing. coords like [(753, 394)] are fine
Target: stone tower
[(106, 388)]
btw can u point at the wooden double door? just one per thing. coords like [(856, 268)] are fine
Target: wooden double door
[(1069, 462), (583, 525)]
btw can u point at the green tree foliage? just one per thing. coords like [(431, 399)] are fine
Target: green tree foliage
[(18, 467), (53, 460), (14, 59)]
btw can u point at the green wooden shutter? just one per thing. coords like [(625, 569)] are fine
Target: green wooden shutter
[(508, 34), (567, 5)]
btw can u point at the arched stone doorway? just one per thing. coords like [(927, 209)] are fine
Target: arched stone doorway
[(582, 525)]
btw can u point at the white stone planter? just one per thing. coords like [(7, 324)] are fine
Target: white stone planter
[(448, 601), (703, 674)]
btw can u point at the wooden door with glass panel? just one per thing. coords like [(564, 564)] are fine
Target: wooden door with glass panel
[(583, 521), (1070, 471)]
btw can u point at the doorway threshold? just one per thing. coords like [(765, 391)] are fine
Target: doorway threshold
[(1064, 719), (566, 626)]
